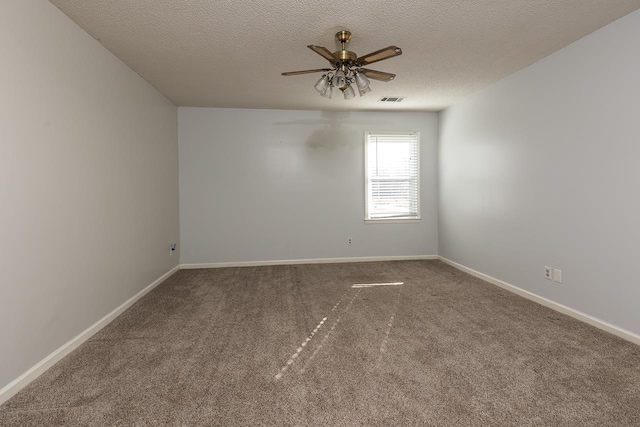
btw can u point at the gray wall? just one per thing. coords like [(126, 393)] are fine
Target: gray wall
[(261, 185), (543, 169), (89, 193)]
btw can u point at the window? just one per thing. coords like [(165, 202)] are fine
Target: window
[(392, 175)]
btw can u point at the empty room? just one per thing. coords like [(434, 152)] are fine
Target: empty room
[(234, 213)]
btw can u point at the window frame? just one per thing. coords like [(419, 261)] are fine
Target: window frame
[(367, 218)]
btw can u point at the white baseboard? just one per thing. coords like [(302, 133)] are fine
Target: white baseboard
[(306, 261), (600, 324), (23, 380)]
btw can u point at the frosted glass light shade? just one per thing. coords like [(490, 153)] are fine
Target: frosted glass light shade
[(349, 92), (362, 81), (339, 79), (322, 84), (327, 93), (364, 91)]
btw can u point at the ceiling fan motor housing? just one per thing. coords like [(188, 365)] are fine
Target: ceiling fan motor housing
[(346, 56)]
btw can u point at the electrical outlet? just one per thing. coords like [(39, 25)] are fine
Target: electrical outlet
[(172, 248), (557, 275), (547, 273), (349, 240)]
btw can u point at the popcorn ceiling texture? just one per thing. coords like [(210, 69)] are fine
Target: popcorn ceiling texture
[(230, 53), (210, 348)]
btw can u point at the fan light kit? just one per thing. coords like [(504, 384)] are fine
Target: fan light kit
[(346, 68)]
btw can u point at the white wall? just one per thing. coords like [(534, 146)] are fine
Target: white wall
[(89, 183), (261, 185), (543, 168)]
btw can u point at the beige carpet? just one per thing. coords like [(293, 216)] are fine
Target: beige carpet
[(237, 347)]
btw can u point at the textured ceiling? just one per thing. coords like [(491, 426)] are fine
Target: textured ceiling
[(230, 53)]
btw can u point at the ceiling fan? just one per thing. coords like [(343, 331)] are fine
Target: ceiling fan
[(346, 68)]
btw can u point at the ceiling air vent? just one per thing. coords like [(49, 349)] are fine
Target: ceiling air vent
[(391, 99)]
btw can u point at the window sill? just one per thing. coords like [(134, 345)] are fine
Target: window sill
[(392, 220)]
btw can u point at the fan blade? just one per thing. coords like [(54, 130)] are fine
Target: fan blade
[(324, 52), (295, 73), (379, 55), (378, 75)]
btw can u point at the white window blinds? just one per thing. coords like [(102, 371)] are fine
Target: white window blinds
[(392, 174)]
